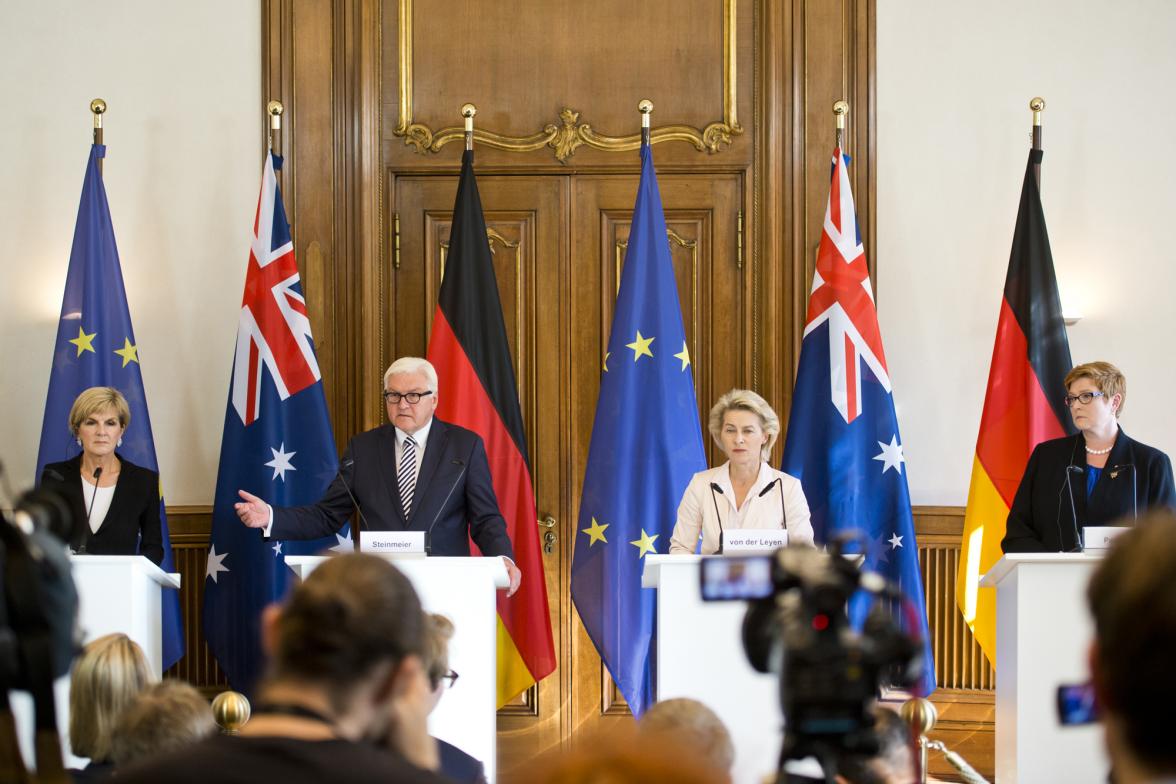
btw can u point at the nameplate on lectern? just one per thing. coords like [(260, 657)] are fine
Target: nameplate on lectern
[(1097, 538), (754, 540), (404, 542)]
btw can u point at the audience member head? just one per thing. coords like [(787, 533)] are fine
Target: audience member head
[(895, 761), (438, 633), (163, 718), (107, 677), (1132, 598), (351, 635), (692, 724)]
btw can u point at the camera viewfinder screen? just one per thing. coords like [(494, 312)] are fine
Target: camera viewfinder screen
[(730, 579)]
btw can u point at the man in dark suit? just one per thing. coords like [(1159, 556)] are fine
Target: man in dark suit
[(415, 474)]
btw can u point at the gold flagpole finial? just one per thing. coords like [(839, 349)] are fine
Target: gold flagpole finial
[(468, 110), (98, 107), (275, 110), (646, 108), (1038, 106), (840, 111)]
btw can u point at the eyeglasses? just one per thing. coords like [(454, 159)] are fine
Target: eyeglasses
[(412, 397), (1084, 398), (448, 679)]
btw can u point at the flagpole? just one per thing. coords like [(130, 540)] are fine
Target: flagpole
[(275, 109), (840, 110), (98, 108), (468, 110), (1038, 106), (646, 109)]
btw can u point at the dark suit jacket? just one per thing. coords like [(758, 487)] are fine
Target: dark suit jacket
[(455, 460), (132, 524), (1041, 519), (459, 766)]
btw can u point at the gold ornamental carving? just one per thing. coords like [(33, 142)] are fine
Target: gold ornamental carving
[(566, 136)]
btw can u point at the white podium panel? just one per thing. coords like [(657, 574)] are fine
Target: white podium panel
[(1043, 633), (116, 593), (700, 655), (463, 590)]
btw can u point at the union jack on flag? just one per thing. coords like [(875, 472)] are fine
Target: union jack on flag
[(273, 328), (842, 295), (277, 442)]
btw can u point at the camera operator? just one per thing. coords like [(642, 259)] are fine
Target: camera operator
[(1132, 599)]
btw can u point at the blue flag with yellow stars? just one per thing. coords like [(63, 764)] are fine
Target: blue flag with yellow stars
[(646, 445), (96, 347)]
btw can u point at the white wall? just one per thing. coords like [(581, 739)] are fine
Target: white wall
[(184, 135), (954, 83)]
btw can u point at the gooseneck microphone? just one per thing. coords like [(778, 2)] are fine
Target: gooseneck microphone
[(440, 509), (1073, 510), (1115, 470), (90, 509), (348, 463), (714, 487), (779, 483)]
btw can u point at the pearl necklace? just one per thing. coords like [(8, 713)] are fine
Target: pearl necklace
[(1090, 451)]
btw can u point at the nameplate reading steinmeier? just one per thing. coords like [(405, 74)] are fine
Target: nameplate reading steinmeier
[(405, 542), (754, 540)]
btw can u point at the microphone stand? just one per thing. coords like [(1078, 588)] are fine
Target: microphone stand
[(714, 486)]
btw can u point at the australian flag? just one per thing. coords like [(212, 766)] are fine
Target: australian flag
[(646, 445), (96, 347), (843, 442), (277, 443)]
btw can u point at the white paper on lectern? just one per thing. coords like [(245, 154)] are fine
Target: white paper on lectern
[(463, 590)]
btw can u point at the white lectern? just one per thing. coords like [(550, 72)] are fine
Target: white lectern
[(116, 593), (700, 655), (1043, 632), (463, 590)]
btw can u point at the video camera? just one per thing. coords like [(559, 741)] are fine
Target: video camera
[(797, 626), (39, 633)]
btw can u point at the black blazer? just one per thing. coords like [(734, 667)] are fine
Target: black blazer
[(132, 524), (1041, 519), (459, 766), (453, 493)]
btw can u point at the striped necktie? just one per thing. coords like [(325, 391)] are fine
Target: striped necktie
[(406, 473)]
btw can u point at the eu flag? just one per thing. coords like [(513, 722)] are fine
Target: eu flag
[(96, 347), (646, 445), (277, 443), (843, 442)]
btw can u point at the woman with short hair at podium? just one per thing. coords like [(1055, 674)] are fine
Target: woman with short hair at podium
[(118, 500), (744, 492), (1094, 478)]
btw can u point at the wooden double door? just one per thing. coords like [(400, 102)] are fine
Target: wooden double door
[(558, 244)]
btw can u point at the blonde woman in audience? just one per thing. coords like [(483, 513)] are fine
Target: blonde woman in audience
[(107, 677)]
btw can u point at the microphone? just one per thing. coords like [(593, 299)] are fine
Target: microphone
[(348, 463), (715, 487), (1073, 510), (440, 509), (89, 509), (1134, 486), (778, 481)]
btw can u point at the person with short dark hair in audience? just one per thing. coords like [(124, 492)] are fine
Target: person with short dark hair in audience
[(107, 677), (693, 724), (455, 763), (1132, 598), (165, 717), (345, 676), (895, 761)]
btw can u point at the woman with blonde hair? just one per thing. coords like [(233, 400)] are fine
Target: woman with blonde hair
[(118, 499), (744, 492), (107, 678)]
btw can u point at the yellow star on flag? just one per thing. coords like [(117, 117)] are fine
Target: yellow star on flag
[(596, 532), (607, 354), (645, 544), (640, 346), (684, 355), (128, 352), (83, 341)]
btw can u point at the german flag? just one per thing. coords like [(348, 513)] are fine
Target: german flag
[(468, 346), (1022, 407)]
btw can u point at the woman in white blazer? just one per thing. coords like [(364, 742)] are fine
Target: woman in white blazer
[(744, 492)]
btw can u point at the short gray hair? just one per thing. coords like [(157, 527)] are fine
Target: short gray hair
[(745, 400), (413, 365)]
